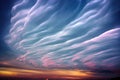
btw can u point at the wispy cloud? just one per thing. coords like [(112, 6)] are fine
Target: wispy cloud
[(65, 34)]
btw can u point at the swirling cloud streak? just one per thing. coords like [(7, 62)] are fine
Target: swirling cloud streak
[(65, 34)]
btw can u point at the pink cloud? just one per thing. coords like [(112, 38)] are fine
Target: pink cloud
[(48, 62), (90, 64)]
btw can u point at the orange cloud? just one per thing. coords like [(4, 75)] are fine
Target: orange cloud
[(55, 73)]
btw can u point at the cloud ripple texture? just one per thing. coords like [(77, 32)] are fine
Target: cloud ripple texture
[(65, 34)]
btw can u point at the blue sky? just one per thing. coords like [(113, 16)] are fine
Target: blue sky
[(79, 34)]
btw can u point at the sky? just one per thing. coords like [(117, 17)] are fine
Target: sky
[(5, 15), (61, 34)]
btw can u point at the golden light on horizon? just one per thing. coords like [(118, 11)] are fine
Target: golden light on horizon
[(56, 73), (8, 73)]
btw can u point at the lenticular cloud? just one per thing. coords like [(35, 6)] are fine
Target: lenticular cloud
[(64, 34)]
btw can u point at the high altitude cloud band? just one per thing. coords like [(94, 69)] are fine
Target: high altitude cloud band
[(65, 34)]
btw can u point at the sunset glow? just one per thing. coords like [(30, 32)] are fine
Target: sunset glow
[(59, 39)]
